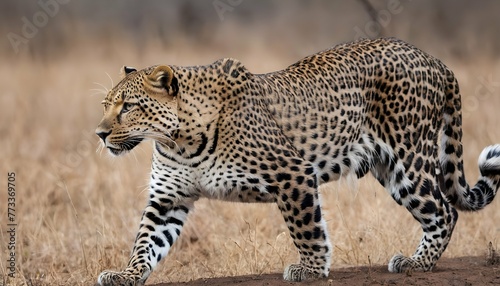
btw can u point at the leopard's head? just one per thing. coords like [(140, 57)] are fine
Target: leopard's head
[(143, 105)]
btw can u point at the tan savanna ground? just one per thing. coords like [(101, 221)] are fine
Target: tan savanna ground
[(78, 209)]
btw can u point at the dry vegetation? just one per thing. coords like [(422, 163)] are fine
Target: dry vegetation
[(78, 209)]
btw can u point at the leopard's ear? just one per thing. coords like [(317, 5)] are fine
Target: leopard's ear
[(162, 77), (125, 70)]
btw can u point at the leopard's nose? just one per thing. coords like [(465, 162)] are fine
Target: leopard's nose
[(103, 134)]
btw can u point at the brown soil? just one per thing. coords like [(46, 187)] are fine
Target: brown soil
[(463, 271)]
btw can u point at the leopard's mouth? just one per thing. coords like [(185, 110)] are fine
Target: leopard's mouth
[(124, 147), (116, 151)]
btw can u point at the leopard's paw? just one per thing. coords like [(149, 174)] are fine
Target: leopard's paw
[(111, 278), (298, 272), (400, 263)]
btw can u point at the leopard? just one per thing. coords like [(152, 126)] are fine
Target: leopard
[(220, 132)]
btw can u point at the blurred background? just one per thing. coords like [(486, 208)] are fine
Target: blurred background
[(98, 29), (78, 209)]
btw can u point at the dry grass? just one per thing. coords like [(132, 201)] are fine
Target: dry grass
[(78, 210)]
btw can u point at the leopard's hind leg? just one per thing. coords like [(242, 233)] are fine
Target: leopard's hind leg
[(437, 217), (414, 181)]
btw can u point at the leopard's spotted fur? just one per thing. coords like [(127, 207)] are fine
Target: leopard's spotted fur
[(222, 132)]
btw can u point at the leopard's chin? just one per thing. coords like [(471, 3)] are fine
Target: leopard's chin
[(116, 151), (124, 147)]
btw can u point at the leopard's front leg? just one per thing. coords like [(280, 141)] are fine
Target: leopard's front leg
[(161, 225), (299, 202)]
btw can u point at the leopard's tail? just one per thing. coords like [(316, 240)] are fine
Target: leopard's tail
[(454, 185)]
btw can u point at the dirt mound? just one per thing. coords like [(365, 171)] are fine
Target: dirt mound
[(456, 271)]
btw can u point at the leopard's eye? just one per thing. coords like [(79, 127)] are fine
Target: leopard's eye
[(127, 106)]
